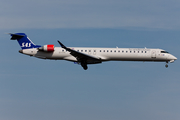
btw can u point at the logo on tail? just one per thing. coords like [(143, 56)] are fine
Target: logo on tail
[(24, 41)]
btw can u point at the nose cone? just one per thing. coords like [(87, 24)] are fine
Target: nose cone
[(172, 58)]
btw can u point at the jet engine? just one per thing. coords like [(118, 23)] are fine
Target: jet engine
[(47, 48)]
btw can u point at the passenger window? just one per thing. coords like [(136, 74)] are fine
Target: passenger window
[(142, 51), (81, 50), (126, 51), (130, 51), (111, 50), (122, 51), (85, 50), (119, 51), (104, 51), (89, 50), (134, 51), (107, 51), (114, 51)]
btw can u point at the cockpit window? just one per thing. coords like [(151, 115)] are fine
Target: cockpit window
[(164, 52)]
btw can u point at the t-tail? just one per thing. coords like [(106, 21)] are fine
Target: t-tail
[(23, 41)]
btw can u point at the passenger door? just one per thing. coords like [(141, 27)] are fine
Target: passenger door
[(153, 54)]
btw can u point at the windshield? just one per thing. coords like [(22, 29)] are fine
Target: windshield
[(164, 52)]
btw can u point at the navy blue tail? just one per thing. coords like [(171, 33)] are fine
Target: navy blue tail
[(24, 41)]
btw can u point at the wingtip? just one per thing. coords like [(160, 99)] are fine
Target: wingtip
[(58, 41), (61, 44)]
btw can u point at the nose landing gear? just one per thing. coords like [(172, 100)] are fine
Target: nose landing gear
[(166, 64)]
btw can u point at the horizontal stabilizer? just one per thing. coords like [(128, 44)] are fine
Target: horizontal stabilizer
[(16, 36)]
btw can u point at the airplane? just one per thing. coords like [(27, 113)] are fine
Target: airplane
[(87, 55)]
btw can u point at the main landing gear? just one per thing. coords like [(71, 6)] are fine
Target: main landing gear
[(84, 65), (166, 64)]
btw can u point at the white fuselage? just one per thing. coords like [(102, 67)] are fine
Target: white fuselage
[(104, 54)]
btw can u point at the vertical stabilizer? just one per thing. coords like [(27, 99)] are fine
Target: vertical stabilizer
[(24, 41)]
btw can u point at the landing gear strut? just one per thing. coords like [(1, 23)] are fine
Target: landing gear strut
[(166, 64)]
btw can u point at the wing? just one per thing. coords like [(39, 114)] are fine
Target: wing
[(81, 57)]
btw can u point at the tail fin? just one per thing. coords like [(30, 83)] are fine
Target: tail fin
[(23, 41)]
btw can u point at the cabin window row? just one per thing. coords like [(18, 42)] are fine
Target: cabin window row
[(79, 50), (123, 51)]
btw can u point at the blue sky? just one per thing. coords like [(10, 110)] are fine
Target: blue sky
[(89, 14), (35, 89)]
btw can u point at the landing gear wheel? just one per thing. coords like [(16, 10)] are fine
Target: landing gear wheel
[(166, 65)]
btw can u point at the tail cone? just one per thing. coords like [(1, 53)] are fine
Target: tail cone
[(20, 51)]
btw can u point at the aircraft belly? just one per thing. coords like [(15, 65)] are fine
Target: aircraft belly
[(50, 55), (70, 58), (126, 57), (135, 58)]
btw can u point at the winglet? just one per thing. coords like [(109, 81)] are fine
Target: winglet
[(63, 46)]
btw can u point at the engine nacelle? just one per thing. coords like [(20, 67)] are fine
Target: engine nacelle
[(47, 48)]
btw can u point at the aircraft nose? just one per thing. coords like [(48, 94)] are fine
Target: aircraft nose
[(172, 58), (175, 58)]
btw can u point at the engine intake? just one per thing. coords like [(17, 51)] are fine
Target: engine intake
[(47, 48)]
